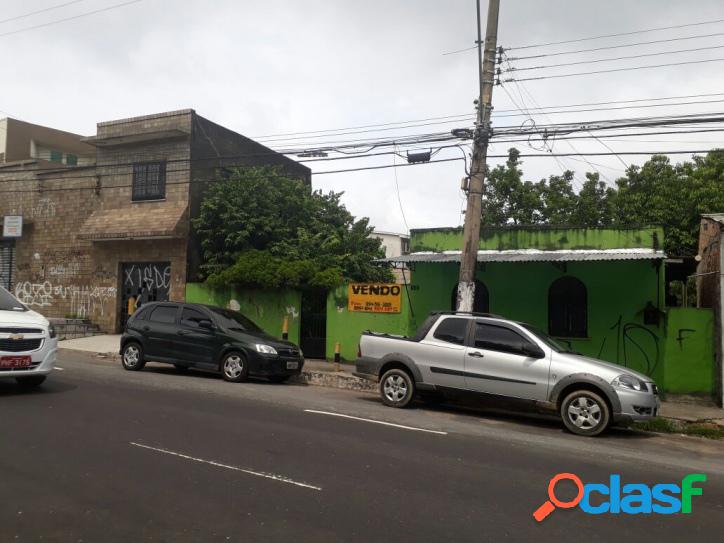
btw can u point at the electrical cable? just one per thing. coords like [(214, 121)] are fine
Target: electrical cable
[(608, 47), (700, 23), (51, 8), (557, 76), (86, 14)]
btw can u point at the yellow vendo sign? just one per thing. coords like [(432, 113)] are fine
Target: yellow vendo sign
[(374, 298)]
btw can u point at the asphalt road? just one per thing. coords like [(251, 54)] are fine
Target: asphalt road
[(101, 454)]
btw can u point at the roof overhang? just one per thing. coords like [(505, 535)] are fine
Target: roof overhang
[(139, 137), (535, 255), (137, 223)]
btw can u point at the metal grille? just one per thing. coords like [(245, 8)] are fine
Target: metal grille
[(149, 181), (7, 261), (19, 345), (20, 331), (282, 351)]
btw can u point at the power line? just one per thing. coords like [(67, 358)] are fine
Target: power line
[(700, 23), (58, 6), (556, 76), (611, 59), (669, 40), (86, 14), (464, 116), (190, 181)]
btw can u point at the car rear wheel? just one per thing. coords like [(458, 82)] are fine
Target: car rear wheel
[(234, 367), (30, 381), (396, 388), (585, 413), (132, 357)]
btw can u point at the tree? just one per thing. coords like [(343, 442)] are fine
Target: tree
[(261, 228), (656, 193)]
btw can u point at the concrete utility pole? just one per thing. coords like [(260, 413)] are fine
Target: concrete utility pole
[(471, 235)]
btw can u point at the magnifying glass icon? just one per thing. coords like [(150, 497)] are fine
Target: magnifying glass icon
[(549, 506)]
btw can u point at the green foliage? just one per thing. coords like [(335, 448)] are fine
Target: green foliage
[(658, 192), (259, 228)]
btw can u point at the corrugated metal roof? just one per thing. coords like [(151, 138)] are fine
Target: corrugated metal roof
[(536, 255)]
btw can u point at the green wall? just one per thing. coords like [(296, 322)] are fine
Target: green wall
[(266, 308), (549, 239), (618, 291), (346, 327), (689, 351)]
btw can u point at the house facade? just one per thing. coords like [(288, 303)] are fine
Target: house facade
[(101, 238)]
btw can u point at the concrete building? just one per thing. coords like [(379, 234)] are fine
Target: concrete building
[(21, 141), (117, 231), (395, 245), (710, 285)]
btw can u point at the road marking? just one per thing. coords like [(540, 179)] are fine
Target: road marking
[(376, 422), (59, 369), (279, 478)]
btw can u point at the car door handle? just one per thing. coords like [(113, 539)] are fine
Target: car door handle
[(183, 332), (477, 355), (146, 328)]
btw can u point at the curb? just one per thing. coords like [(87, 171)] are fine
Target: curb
[(341, 380)]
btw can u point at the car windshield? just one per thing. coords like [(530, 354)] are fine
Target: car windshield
[(548, 340), (8, 302), (233, 320)]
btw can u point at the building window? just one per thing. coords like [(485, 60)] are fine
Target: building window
[(568, 308), (56, 156), (149, 181), (71, 160)]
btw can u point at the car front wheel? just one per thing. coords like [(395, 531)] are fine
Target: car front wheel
[(234, 367), (585, 413), (396, 388), (132, 357)]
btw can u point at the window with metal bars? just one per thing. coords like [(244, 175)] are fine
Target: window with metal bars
[(149, 181), (568, 308)]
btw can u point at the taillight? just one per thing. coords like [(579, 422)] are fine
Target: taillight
[(359, 350)]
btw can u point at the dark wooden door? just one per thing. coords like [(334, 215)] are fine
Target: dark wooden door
[(144, 282), (313, 326)]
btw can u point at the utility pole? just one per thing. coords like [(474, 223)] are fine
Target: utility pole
[(471, 234)]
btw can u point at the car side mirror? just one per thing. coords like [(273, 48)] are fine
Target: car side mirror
[(533, 351), (206, 325)]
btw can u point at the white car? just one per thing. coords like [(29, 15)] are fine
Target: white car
[(28, 343)]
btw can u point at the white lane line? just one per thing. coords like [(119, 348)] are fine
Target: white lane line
[(376, 422), (59, 369), (279, 478)]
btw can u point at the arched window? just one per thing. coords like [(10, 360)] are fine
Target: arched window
[(568, 308), (481, 304)]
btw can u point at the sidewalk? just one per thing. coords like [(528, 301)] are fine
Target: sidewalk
[(323, 373)]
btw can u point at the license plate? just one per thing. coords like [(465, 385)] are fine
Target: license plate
[(292, 365), (15, 361)]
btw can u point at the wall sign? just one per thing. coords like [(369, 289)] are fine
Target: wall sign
[(374, 298), (12, 226)]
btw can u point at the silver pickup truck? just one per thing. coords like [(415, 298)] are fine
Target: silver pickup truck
[(493, 356)]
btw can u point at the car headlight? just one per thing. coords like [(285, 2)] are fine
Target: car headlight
[(630, 382), (266, 349), (51, 331)]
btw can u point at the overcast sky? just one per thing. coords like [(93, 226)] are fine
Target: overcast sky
[(279, 66)]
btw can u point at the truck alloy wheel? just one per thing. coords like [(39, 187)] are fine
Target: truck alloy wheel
[(396, 388), (585, 413)]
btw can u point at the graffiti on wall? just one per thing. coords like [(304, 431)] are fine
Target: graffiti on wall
[(152, 276), (637, 347), (85, 300), (43, 209)]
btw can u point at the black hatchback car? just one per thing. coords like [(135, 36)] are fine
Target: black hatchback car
[(208, 338)]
